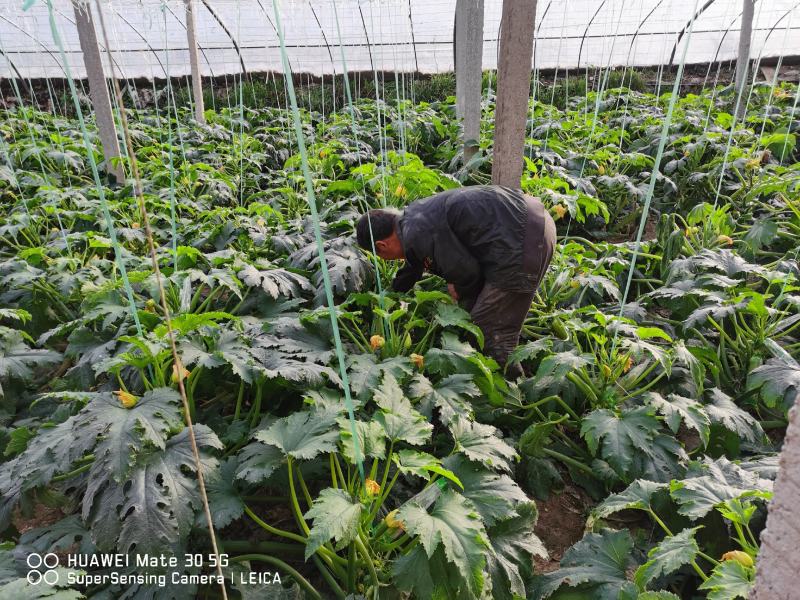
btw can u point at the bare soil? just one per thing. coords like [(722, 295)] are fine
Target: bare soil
[(562, 519)]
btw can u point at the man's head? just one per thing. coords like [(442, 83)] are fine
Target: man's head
[(380, 225)]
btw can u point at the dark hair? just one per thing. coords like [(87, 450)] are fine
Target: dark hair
[(381, 220)]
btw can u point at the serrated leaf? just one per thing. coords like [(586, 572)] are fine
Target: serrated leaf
[(69, 532), (779, 380), (422, 465), (428, 577), (303, 435), (224, 500), (450, 395), (482, 443), (618, 438), (598, 563), (723, 480), (257, 462), (684, 356), (729, 580), (515, 546), (125, 431), (366, 373), (161, 499), (455, 526), (275, 282), (450, 315), (496, 496), (677, 409), (20, 437), (411, 428), (389, 396), (723, 410), (22, 588), (336, 517), (637, 495), (670, 555), (17, 359), (371, 439)]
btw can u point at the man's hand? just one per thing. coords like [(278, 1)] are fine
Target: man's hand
[(451, 289)]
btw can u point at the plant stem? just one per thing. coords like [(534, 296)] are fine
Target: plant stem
[(299, 579), (337, 591), (72, 473), (370, 564), (237, 411), (570, 461), (298, 514)]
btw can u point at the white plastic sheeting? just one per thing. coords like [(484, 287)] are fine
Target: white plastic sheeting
[(148, 37)]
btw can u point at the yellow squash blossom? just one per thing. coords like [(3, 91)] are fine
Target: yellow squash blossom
[(184, 373), (743, 558), (372, 487), (127, 399)]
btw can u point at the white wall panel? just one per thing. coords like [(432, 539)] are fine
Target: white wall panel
[(387, 35)]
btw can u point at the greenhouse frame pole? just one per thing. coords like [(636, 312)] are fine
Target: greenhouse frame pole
[(513, 90), (98, 89), (197, 81), (468, 60), (743, 56), (778, 559)]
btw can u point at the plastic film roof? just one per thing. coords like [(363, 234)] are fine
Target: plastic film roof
[(148, 37)]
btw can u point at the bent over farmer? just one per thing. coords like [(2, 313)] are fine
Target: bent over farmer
[(491, 244)]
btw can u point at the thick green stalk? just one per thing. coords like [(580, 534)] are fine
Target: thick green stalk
[(299, 579)]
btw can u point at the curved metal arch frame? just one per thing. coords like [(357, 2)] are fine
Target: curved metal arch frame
[(366, 35), (275, 29), (199, 47), (324, 37), (686, 28), (413, 40), (100, 46), (224, 27), (538, 29), (14, 68), (639, 28), (35, 39), (772, 29), (586, 31), (144, 39)]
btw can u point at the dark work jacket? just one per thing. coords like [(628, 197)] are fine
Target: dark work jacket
[(468, 236)]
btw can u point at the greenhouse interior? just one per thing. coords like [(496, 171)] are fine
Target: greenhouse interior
[(399, 299)]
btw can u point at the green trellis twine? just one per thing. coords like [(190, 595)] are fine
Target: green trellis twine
[(351, 110), (323, 263), (654, 174), (112, 232)]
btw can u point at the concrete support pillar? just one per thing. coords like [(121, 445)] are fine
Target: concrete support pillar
[(513, 90), (468, 59), (197, 81), (743, 57), (98, 89)]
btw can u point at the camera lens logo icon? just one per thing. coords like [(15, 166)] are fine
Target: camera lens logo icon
[(50, 562)]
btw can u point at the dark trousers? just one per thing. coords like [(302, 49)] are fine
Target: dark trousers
[(499, 311)]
